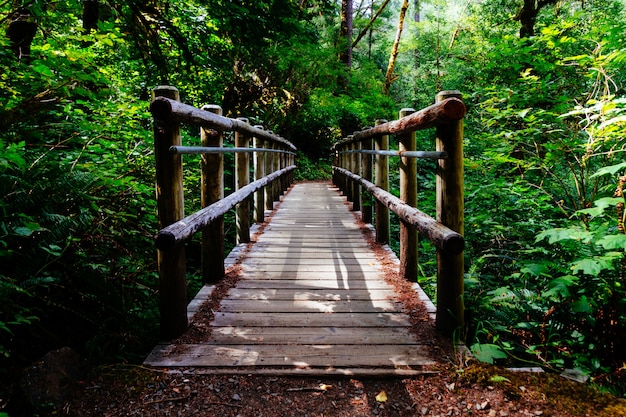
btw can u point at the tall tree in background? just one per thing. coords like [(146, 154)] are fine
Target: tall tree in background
[(527, 16), (370, 23), (345, 40), (389, 78)]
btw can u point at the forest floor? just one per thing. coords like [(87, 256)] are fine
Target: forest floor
[(473, 390)]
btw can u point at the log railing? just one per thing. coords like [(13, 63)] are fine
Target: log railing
[(363, 157), (273, 172)]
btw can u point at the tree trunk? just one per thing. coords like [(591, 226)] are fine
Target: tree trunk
[(527, 16), (90, 15), (370, 23), (389, 78), (21, 33), (345, 40)]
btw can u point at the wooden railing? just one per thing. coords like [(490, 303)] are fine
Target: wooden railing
[(273, 172), (363, 157)]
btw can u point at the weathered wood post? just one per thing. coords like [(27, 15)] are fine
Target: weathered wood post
[(341, 164), (408, 193), (355, 147), (212, 190), (284, 180), (242, 178), (349, 161), (382, 180), (366, 163), (170, 206), (269, 163), (259, 172), (275, 167), (450, 209)]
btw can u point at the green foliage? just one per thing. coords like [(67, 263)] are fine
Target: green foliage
[(310, 170)]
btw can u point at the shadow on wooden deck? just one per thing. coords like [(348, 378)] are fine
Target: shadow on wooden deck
[(311, 300)]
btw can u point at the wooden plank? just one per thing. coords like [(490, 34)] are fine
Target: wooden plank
[(307, 306), (239, 293), (388, 319), (308, 285), (319, 355), (336, 266), (260, 260), (303, 255), (231, 335), (311, 372), (322, 279)]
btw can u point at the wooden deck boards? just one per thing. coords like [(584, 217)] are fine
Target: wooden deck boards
[(311, 300)]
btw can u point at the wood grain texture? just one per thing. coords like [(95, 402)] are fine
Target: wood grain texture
[(312, 300)]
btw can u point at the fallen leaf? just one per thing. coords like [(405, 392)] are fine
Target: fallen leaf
[(325, 387), (381, 397)]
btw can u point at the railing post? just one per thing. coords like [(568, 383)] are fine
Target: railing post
[(334, 157), (341, 180), (242, 178), (356, 169), (276, 191), (349, 161), (259, 172), (284, 180), (170, 206), (408, 193), (450, 209), (212, 190), (366, 163), (269, 193), (382, 181)]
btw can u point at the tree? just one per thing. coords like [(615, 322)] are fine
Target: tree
[(389, 77), (370, 23), (527, 16), (345, 41)]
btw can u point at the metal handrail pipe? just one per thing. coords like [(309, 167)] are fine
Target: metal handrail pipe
[(196, 150), (406, 154)]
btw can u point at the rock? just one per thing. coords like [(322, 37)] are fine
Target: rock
[(49, 382)]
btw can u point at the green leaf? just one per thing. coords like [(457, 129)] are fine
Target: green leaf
[(593, 266), (487, 352), (582, 305), (560, 287), (536, 270), (613, 242), (28, 229), (43, 70), (559, 234), (610, 170)]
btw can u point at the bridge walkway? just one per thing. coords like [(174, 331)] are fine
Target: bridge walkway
[(311, 299)]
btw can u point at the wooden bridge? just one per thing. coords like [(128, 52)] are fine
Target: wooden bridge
[(313, 294)]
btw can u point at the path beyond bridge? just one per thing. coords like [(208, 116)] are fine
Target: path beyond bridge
[(311, 299)]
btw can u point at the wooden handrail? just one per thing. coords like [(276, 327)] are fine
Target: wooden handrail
[(167, 109), (184, 229), (441, 236), (351, 172), (448, 110), (277, 158)]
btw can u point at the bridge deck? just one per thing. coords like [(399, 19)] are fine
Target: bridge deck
[(311, 300)]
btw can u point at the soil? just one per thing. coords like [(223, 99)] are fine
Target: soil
[(473, 390), (458, 386)]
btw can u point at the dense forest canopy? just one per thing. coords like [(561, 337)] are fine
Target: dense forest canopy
[(545, 137)]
